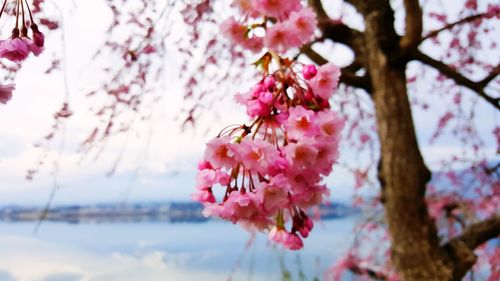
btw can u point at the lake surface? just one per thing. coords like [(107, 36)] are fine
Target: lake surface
[(213, 250)]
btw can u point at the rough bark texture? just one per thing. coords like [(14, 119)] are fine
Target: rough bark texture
[(416, 250), (415, 246)]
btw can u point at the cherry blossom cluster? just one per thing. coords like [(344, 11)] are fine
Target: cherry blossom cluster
[(276, 25), (267, 174), (19, 45)]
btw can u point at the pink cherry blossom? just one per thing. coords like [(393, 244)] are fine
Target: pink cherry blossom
[(257, 108), (327, 156), (254, 44), (286, 24), (149, 49), (329, 123), (243, 207), (257, 101), (39, 39), (326, 81), (14, 49), (303, 224), (302, 154), (220, 153), (269, 172), (269, 82), (278, 234), (276, 8), (234, 30), (301, 180), (304, 23), (246, 7), (301, 122), (273, 195), (293, 242), (278, 165), (207, 178), (32, 47), (6, 92), (204, 164), (493, 11), (309, 71), (203, 196), (256, 155), (310, 197), (278, 37)]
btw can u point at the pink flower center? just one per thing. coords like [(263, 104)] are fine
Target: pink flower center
[(303, 123), (222, 152)]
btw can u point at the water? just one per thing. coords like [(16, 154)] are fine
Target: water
[(213, 250)]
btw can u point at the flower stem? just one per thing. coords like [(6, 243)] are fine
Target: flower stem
[(3, 7)]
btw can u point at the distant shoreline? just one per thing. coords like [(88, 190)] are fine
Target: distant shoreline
[(135, 212)]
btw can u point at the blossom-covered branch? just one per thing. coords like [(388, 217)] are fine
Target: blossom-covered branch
[(267, 174), (492, 13), (19, 45), (451, 73)]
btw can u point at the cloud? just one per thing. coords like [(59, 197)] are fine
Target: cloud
[(43, 261)]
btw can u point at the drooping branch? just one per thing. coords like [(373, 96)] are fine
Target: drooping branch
[(451, 25), (451, 73), (413, 25), (348, 77)]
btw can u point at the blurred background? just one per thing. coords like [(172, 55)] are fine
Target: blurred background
[(121, 210)]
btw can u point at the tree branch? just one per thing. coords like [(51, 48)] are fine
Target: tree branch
[(477, 234), (413, 25), (348, 77), (338, 31), (373, 274), (451, 25), (378, 16), (451, 73), (493, 74), (460, 249), (318, 8)]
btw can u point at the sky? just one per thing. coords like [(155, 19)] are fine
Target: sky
[(159, 160)]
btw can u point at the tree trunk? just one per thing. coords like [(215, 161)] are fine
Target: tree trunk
[(416, 252)]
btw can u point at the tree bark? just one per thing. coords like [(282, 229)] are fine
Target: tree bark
[(403, 174), (416, 252)]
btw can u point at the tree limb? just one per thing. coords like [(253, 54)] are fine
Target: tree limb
[(493, 74), (373, 274), (348, 77), (413, 25), (318, 8), (338, 31), (451, 73), (451, 25), (378, 16), (477, 234), (460, 249)]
